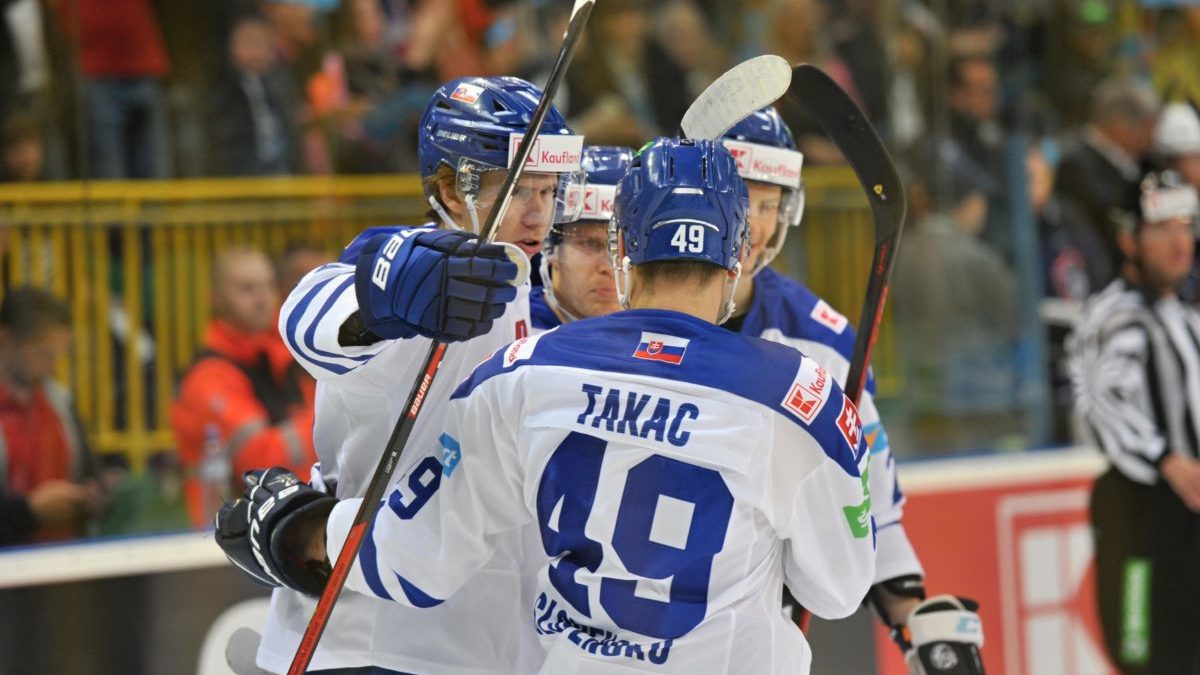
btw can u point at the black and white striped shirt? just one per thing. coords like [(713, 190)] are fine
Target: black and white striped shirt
[(1135, 371)]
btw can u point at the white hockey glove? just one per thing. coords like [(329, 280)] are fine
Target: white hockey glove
[(942, 636)]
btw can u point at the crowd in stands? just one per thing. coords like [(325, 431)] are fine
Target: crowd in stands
[(1019, 127)]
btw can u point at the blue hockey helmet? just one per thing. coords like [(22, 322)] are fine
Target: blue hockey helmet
[(766, 152), (681, 199), (473, 125), (604, 166)]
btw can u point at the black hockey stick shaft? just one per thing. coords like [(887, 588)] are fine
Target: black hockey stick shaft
[(417, 396), (848, 127)]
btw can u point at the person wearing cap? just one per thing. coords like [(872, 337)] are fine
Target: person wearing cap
[(1177, 141), (1134, 361)]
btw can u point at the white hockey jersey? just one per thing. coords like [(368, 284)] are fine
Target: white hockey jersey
[(678, 473), (787, 312), (360, 393)]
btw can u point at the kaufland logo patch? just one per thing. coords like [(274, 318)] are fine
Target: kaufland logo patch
[(598, 202), (741, 154), (828, 317), (659, 347), (809, 392), (550, 154), (467, 93), (849, 425)]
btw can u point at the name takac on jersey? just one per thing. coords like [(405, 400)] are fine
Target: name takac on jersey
[(623, 412)]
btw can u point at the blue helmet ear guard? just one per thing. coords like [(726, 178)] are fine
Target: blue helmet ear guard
[(681, 199), (468, 125)]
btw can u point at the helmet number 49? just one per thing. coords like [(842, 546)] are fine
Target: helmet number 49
[(689, 238)]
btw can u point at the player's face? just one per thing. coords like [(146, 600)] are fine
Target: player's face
[(529, 212), (765, 202), (1165, 250), (581, 271)]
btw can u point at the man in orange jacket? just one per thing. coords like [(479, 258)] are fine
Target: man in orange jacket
[(244, 403)]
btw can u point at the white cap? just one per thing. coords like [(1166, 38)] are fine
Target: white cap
[(1178, 131)]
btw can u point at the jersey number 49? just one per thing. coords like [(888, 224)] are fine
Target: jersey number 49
[(681, 557)]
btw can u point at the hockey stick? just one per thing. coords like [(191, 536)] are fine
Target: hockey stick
[(849, 129), (416, 398), (735, 95)]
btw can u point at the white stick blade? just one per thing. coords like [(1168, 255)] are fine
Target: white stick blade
[(746, 87)]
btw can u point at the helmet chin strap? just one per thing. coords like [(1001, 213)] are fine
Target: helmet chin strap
[(730, 291), (621, 281), (444, 215), (448, 220)]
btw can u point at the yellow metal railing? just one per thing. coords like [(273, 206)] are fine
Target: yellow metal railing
[(134, 259)]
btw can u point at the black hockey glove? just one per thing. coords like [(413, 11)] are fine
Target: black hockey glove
[(942, 636), (260, 532)]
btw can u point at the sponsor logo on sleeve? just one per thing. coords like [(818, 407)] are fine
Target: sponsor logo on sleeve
[(849, 425), (877, 439), (451, 454), (659, 347), (809, 391), (828, 317)]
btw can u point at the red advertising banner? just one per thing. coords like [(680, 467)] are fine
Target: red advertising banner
[(1012, 532)]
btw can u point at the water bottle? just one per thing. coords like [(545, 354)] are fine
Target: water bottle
[(215, 468)]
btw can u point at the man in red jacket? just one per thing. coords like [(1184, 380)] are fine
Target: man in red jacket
[(244, 403)]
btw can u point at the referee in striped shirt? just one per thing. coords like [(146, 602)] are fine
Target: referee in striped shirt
[(1135, 369)]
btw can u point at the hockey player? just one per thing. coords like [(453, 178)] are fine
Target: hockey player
[(676, 475), (777, 308), (362, 325), (577, 275)]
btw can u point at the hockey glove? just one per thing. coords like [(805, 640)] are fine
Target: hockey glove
[(942, 637), (260, 533), (442, 284)]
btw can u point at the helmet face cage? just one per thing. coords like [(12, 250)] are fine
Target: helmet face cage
[(568, 189)]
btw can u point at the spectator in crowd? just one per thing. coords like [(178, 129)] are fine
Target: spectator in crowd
[(244, 403), (1135, 366), (1177, 141), (974, 104), (52, 504), (252, 108), (1110, 157), (1075, 253), (123, 62), (1082, 59), (1176, 66), (23, 153), (368, 138), (299, 259), (47, 472), (797, 31), (956, 319), (624, 86), (683, 31)]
